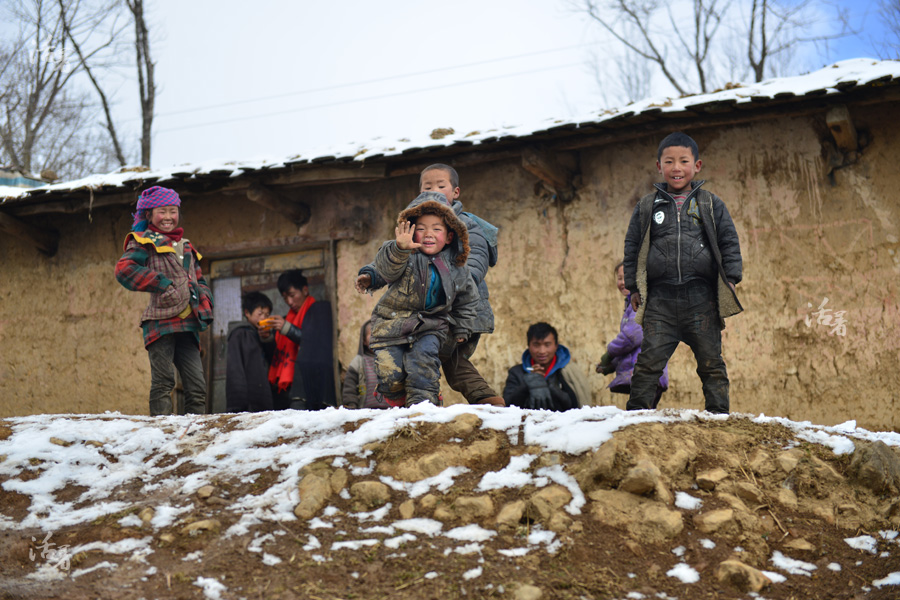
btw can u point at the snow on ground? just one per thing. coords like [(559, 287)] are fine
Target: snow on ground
[(104, 452)]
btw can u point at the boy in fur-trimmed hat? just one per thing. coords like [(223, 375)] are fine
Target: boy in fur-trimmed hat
[(158, 259), (430, 299)]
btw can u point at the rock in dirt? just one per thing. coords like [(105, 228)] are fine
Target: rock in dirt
[(206, 491), (466, 508), (876, 467), (641, 478), (510, 515), (147, 515), (799, 544), (715, 520), (547, 501), (315, 489), (708, 480), (528, 592), (741, 576), (407, 509), (369, 494), (204, 525)]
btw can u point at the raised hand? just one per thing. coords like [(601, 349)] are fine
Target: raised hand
[(404, 236), (363, 282)]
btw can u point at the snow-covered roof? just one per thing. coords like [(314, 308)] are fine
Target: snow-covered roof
[(841, 78)]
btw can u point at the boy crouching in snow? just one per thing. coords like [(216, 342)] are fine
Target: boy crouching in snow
[(430, 298)]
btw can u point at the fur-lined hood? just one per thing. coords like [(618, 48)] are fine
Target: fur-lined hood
[(435, 203)]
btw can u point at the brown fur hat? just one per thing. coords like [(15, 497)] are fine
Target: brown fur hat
[(435, 203)]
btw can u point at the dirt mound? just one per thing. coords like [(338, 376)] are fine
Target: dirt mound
[(470, 502)]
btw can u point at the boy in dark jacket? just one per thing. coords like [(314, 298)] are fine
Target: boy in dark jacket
[(251, 345), (302, 370), (546, 379), (430, 300), (683, 258)]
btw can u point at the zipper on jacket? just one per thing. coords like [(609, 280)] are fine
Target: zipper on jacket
[(678, 238)]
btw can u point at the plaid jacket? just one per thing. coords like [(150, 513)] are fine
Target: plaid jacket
[(180, 299)]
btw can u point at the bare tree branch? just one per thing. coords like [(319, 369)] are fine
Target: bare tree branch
[(146, 81), (83, 60)]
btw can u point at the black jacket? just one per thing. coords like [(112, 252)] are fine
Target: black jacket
[(701, 243), (247, 377), (679, 248), (314, 369)]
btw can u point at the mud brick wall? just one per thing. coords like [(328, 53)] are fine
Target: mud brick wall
[(69, 340)]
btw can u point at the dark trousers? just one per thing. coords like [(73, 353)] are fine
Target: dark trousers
[(464, 378), (176, 351), (686, 313), (410, 370)]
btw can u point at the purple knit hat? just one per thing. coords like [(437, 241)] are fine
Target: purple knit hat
[(155, 197)]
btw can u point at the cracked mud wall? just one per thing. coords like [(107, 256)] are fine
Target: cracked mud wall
[(69, 341), (803, 239)]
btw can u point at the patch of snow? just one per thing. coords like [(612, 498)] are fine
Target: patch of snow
[(395, 542), (317, 523), (430, 575), (707, 543), (512, 475), (866, 543), (775, 577), (101, 565), (472, 573), (312, 543), (685, 501), (834, 567), (424, 526), (792, 565), (212, 589), (470, 533), (679, 551), (892, 579), (514, 552), (131, 521), (684, 572), (198, 555), (353, 544), (473, 548), (443, 481), (270, 560)]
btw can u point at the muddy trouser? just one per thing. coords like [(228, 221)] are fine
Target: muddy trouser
[(686, 313), (410, 370), (464, 378), (176, 351)]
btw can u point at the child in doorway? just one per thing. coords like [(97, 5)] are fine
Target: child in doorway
[(360, 382), (622, 352), (682, 262), (461, 374), (158, 259), (251, 344), (431, 300)]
